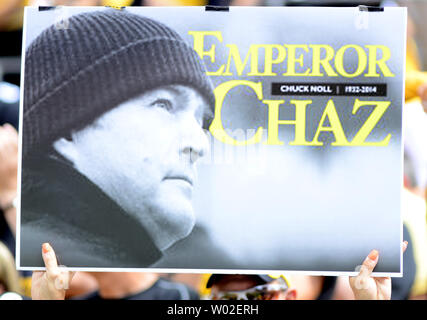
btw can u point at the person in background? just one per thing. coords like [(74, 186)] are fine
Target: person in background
[(137, 286), (8, 173), (415, 165), (8, 191), (415, 120), (10, 288), (250, 287), (308, 287), (263, 287)]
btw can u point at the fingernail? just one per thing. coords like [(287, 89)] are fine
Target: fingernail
[(7, 126), (373, 255), (46, 247), (406, 243)]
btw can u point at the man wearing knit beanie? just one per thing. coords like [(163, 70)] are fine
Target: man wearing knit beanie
[(114, 110)]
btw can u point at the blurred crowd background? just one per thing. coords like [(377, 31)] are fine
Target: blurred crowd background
[(413, 285)]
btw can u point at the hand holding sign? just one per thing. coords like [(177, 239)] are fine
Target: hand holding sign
[(52, 283), (366, 287)]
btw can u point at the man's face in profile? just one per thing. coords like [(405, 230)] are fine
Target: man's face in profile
[(142, 154)]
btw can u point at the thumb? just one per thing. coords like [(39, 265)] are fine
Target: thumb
[(404, 246), (11, 130)]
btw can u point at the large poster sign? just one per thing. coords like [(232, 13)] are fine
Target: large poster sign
[(190, 140)]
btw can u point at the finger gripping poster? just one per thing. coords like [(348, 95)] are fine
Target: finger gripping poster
[(252, 140)]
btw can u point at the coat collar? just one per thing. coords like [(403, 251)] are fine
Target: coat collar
[(71, 209)]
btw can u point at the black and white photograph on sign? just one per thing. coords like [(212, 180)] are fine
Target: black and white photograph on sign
[(188, 140)]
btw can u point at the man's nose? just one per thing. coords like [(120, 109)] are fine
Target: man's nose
[(194, 142)]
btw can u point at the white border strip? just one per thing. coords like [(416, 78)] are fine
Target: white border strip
[(405, 17), (21, 116), (222, 271)]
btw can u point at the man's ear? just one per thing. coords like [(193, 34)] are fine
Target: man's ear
[(291, 294), (65, 148)]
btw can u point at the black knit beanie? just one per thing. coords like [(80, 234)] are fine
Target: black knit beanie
[(102, 59)]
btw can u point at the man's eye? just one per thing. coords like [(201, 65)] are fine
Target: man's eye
[(162, 103)]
